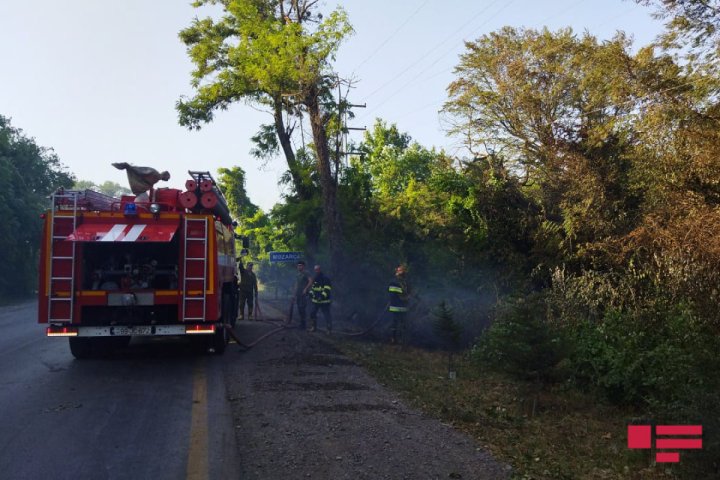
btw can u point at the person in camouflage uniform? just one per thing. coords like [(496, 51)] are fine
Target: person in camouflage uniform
[(248, 289), (303, 282)]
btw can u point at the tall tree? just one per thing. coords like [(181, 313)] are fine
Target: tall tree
[(690, 24), (232, 183), (277, 55), (552, 107), (28, 174)]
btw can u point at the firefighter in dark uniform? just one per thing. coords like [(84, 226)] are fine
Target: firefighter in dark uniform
[(320, 296), (248, 289), (399, 292)]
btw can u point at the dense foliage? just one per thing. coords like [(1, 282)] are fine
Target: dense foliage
[(619, 153), (108, 187), (28, 174), (278, 56), (581, 229), (575, 243)]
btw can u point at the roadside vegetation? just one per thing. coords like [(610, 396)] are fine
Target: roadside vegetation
[(28, 174), (568, 257), (570, 251), (573, 245), (543, 432)]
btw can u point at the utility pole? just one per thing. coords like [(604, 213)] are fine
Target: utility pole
[(346, 129), (341, 139)]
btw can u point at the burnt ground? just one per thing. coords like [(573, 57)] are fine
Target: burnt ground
[(304, 410)]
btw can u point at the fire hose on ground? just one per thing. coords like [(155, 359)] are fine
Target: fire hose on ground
[(368, 329), (233, 335), (286, 326)]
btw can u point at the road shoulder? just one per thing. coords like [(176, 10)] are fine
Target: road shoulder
[(304, 410)]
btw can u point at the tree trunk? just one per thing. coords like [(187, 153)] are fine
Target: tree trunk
[(286, 145), (328, 186), (312, 230)]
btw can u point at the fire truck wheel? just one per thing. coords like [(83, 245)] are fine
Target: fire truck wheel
[(201, 344), (81, 348), (233, 310), (230, 304), (220, 340)]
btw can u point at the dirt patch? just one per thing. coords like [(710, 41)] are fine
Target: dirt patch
[(300, 373), (306, 386), (339, 424), (350, 407), (323, 360)]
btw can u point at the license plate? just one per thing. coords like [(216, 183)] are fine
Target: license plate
[(135, 330)]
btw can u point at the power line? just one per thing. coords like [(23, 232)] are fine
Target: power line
[(419, 60), (442, 56), (563, 12), (419, 78), (420, 109), (390, 37), (621, 14)]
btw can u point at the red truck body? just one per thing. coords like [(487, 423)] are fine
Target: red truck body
[(113, 269)]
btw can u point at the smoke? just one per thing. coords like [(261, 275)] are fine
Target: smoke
[(361, 297)]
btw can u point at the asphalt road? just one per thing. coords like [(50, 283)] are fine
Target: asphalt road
[(156, 411)]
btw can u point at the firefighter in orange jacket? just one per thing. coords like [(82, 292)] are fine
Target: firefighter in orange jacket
[(399, 293)]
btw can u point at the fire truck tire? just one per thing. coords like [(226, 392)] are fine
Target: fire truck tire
[(222, 337), (230, 305), (81, 348), (220, 340), (234, 306), (201, 344)]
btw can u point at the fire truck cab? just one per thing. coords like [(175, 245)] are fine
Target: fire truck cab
[(112, 269)]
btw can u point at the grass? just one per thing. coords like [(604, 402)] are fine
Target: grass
[(544, 433)]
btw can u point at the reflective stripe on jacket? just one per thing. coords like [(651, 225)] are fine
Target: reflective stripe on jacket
[(321, 289), (398, 292)]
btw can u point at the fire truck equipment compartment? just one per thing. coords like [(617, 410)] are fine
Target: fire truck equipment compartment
[(124, 232)]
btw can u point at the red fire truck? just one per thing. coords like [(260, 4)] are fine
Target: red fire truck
[(156, 264)]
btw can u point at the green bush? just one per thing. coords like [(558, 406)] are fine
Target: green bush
[(521, 341), (657, 358), (662, 359)]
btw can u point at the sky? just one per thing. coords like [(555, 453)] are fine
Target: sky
[(97, 81)]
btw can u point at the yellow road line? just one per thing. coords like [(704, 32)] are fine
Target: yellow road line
[(197, 463)]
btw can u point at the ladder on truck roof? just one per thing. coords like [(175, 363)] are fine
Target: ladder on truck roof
[(199, 176), (196, 241), (60, 274)]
